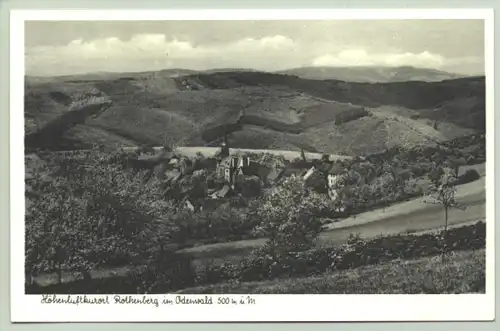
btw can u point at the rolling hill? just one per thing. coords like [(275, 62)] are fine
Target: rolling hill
[(260, 110), (362, 74)]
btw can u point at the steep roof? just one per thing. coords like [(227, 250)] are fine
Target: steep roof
[(293, 171), (274, 174), (147, 157), (225, 162), (336, 169), (309, 172), (324, 167)]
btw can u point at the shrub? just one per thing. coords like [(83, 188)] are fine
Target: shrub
[(289, 218), (220, 225), (352, 114), (165, 273), (469, 176)]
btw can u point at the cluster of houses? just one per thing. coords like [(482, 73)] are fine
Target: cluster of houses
[(327, 177), (205, 183)]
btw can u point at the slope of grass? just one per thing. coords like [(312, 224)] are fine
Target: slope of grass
[(363, 136), (144, 126), (95, 135), (460, 272), (256, 137)]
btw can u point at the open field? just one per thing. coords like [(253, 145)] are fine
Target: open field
[(191, 152), (427, 275)]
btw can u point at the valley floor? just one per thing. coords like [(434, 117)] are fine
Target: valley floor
[(427, 275)]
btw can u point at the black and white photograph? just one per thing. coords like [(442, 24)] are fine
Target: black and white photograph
[(255, 156)]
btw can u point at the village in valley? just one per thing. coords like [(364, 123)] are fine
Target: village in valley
[(205, 183)]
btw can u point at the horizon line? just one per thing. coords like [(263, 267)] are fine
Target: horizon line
[(243, 69)]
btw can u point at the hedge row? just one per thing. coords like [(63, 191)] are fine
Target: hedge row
[(355, 253)]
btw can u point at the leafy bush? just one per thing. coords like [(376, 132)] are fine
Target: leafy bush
[(267, 159), (352, 114), (165, 272), (289, 218), (469, 176), (94, 214), (221, 225)]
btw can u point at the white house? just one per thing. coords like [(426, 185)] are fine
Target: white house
[(333, 185), (309, 173), (336, 179)]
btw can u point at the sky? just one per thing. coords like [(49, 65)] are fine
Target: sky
[(74, 47)]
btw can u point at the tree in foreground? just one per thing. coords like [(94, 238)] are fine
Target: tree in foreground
[(95, 215), (442, 191), (290, 219)]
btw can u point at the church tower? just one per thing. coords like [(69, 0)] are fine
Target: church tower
[(224, 150)]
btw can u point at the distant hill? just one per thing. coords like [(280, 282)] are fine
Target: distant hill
[(372, 74), (359, 74), (105, 75), (215, 70), (262, 110)]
